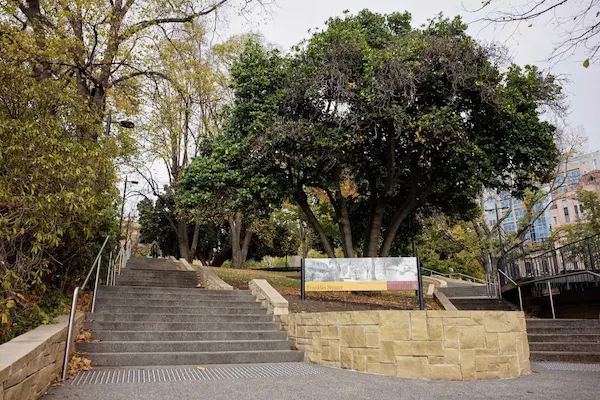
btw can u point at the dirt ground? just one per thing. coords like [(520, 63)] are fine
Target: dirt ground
[(288, 284)]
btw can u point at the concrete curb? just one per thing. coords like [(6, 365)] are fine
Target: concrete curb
[(443, 301), (206, 278), (269, 298)]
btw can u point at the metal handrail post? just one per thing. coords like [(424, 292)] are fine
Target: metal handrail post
[(96, 284), (551, 299), (70, 333), (516, 284), (108, 272)]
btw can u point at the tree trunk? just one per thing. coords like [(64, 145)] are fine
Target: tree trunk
[(182, 239), (314, 222), (246, 243), (303, 241), (340, 206), (399, 216), (239, 248), (194, 246)]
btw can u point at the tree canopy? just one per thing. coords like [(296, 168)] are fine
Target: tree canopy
[(412, 118)]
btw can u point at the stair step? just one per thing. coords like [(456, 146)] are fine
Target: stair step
[(565, 347), (159, 290), (183, 346), (174, 296), (132, 302), (191, 318), (183, 326), (126, 310), (565, 356), (191, 358), (561, 331), (187, 335), (572, 338), (563, 323), (162, 284)]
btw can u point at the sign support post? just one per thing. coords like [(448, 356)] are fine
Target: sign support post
[(302, 281), (420, 282)]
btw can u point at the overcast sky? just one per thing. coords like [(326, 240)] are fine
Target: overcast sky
[(290, 20)]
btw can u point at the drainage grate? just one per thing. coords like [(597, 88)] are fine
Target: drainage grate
[(564, 366), (103, 377)]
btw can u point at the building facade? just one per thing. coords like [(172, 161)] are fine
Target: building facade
[(559, 208)]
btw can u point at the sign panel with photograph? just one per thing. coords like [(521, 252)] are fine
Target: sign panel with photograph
[(356, 274)]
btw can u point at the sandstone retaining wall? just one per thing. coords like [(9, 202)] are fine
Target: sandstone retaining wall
[(449, 345), (30, 362)]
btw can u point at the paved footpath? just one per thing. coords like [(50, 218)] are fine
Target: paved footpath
[(329, 383)]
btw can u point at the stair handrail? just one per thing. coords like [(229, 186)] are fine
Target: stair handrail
[(514, 283), (71, 326), (449, 275)]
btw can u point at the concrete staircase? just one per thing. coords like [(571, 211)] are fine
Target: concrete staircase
[(155, 315), (564, 340), (475, 297)]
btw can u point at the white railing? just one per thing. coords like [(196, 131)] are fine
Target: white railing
[(114, 267)]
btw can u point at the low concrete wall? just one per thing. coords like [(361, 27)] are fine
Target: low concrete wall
[(269, 298), (30, 362), (206, 278), (448, 345)]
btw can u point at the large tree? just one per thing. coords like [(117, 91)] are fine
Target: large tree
[(412, 117)]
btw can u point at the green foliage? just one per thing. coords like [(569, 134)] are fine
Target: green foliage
[(415, 118), (57, 177), (449, 246)]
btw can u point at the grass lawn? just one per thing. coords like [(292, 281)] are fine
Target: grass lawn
[(288, 284)]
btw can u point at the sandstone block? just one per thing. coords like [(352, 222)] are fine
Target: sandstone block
[(382, 369), (427, 348), (418, 325), (483, 375), (412, 367), (346, 358), (458, 322), (467, 364), (330, 332), (395, 325), (471, 337), (435, 329), (451, 337), (388, 352), (372, 339), (481, 364), (436, 360), (403, 348), (445, 372), (334, 351), (502, 321), (507, 343), (352, 336), (452, 356), (441, 314)]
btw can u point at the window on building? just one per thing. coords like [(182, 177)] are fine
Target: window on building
[(566, 211), (576, 210), (573, 175), (505, 204), (510, 227), (555, 221), (581, 209), (595, 164), (517, 203)]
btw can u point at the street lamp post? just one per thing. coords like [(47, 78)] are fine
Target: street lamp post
[(123, 205), (129, 125)]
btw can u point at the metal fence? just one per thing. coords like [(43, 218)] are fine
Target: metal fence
[(582, 255)]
